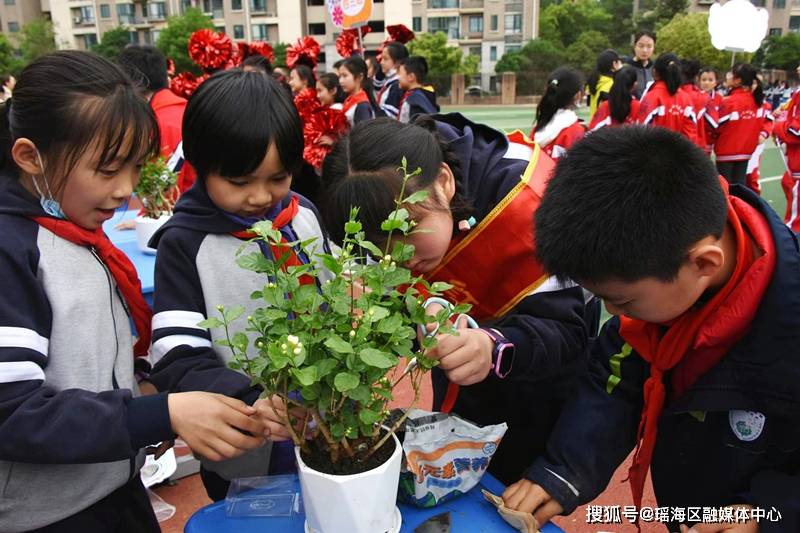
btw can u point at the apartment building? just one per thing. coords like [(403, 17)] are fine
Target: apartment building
[(784, 15), (16, 13)]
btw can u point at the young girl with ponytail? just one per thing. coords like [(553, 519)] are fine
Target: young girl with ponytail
[(557, 126), (622, 107), (360, 103), (665, 104)]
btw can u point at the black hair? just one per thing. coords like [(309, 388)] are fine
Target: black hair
[(690, 69), (331, 82), (232, 119), (562, 85), (338, 64), (628, 203), (603, 67), (358, 67), (305, 73), (749, 74), (258, 61), (68, 101), (146, 65), (708, 69), (416, 65), (621, 93), (362, 171), (644, 33), (396, 51), (668, 68)]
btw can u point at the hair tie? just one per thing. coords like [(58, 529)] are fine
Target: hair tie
[(554, 83)]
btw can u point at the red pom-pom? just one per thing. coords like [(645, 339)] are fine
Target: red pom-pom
[(306, 103), (326, 122), (263, 48), (210, 50), (305, 51), (347, 42), (399, 33), (185, 83)]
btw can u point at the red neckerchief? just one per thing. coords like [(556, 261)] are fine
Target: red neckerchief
[(278, 250), (696, 341), (121, 268), (354, 100)]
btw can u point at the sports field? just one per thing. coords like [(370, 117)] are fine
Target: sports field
[(510, 118)]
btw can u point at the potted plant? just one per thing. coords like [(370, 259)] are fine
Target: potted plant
[(156, 184), (329, 348)]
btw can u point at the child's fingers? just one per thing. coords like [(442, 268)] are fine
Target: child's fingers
[(547, 511), (239, 405)]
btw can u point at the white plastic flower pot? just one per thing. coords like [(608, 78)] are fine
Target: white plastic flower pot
[(145, 228), (358, 503)]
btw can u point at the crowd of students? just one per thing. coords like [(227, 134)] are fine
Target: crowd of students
[(698, 370)]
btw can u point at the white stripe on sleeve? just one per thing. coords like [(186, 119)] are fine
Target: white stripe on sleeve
[(162, 347), (11, 337), (178, 319), (20, 371)]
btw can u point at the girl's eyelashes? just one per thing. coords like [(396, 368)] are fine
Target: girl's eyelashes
[(281, 177)]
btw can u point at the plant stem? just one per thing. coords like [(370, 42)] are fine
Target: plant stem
[(394, 428), (334, 446), (347, 448)]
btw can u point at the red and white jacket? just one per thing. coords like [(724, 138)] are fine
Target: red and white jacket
[(741, 123), (603, 118), (672, 111), (558, 135), (711, 120), (700, 102)]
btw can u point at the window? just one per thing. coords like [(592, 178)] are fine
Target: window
[(126, 13), (494, 22), (416, 24), (133, 37), (10, 3), (89, 40), (778, 4), (775, 31), (513, 48), (236, 5), (794, 23), (475, 51), (317, 28), (238, 31), (514, 23), (442, 4), (448, 25), (493, 53), (154, 35), (378, 26), (157, 10), (260, 32), (13, 27), (105, 11), (476, 24), (258, 6), (315, 2), (214, 7)]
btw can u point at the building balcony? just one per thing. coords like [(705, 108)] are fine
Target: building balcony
[(79, 22), (471, 5), (513, 38)]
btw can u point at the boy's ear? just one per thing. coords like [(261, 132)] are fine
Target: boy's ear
[(707, 258), (446, 182), (25, 156)]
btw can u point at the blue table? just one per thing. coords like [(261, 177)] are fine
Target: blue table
[(470, 513), (125, 240)]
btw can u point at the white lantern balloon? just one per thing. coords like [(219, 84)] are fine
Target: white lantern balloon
[(737, 26)]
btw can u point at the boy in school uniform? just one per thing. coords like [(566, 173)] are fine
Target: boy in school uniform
[(700, 367), (417, 99)]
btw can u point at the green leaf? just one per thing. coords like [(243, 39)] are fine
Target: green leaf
[(305, 376), (440, 286), (273, 314), (390, 324), (331, 264), (344, 381), (360, 394), (417, 197), (374, 250), (229, 315), (209, 323), (254, 261), (376, 313), (337, 430), (368, 416), (240, 340), (351, 227), (377, 358), (337, 344), (326, 366), (310, 393)]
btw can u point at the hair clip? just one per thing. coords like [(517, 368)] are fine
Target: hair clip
[(466, 225), (554, 83)]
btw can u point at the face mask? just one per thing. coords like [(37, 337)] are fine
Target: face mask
[(48, 203)]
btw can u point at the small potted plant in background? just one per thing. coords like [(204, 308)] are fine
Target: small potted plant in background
[(329, 347), (155, 188)]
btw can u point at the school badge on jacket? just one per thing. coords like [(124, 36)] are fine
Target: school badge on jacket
[(746, 425)]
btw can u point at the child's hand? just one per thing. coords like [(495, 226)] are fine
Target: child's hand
[(528, 497), (271, 412), (751, 526), (214, 425), (126, 225), (466, 358)]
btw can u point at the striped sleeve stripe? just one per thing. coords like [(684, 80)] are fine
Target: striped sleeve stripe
[(711, 121), (518, 151), (603, 123), (552, 284), (163, 346), (20, 371), (12, 337), (178, 319), (657, 111)]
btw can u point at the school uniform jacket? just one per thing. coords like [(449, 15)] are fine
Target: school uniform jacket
[(547, 327), (788, 132), (195, 272), (357, 108), (389, 96), (740, 124), (558, 135), (700, 103), (600, 94), (671, 111), (169, 108), (733, 437), (603, 118), (420, 101), (711, 120), (72, 421)]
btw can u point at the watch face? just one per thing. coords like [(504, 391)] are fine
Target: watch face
[(505, 359)]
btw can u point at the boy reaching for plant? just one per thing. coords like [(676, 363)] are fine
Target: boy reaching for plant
[(242, 134)]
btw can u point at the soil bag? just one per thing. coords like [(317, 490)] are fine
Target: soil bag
[(446, 456)]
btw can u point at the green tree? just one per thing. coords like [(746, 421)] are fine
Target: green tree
[(280, 54), (563, 23), (37, 39), (532, 63), (443, 60), (621, 12), (174, 39), (779, 51), (113, 42), (658, 13), (10, 63), (687, 36), (582, 54)]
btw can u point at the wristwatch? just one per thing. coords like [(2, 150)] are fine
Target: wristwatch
[(502, 354)]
